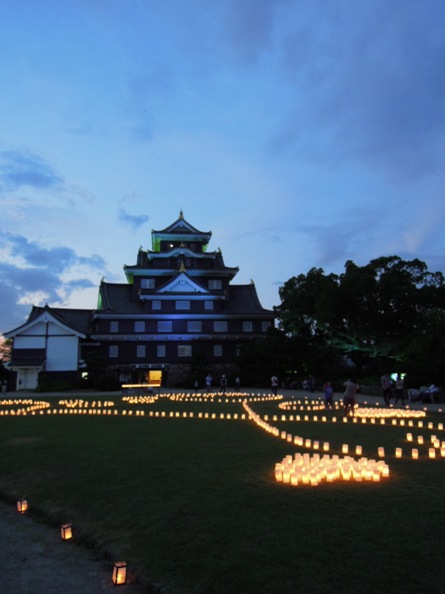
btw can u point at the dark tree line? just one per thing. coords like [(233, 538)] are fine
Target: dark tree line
[(386, 316)]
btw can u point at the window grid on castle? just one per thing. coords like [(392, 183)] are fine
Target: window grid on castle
[(184, 350), (183, 304), (140, 350)]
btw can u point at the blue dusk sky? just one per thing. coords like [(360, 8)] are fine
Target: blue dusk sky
[(302, 133)]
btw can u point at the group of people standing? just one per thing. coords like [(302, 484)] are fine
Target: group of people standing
[(222, 383), (390, 388)]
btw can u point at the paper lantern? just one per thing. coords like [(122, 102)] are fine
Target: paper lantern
[(66, 531), (22, 505), (381, 452), (432, 453), (345, 448), (398, 452), (415, 454), (358, 450), (119, 573)]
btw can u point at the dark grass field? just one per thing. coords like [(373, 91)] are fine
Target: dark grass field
[(193, 504)]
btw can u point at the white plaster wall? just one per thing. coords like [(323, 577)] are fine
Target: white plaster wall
[(62, 353), (37, 329), (54, 329), (29, 342)]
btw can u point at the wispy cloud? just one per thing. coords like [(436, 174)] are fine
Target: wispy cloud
[(133, 221), (23, 168), (30, 273)]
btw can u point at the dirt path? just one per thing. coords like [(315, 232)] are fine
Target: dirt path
[(35, 560)]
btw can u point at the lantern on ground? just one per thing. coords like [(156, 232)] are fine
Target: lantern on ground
[(22, 505), (66, 531), (119, 573)]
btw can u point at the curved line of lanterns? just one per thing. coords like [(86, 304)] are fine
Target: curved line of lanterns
[(298, 469)]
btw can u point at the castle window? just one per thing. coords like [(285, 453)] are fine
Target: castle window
[(114, 326), (147, 283), (183, 305), (247, 326), (217, 350), (161, 350), (194, 326), (113, 351), (164, 326), (156, 304), (220, 326), (140, 350), (265, 326), (184, 350), (139, 326), (208, 304), (215, 284)]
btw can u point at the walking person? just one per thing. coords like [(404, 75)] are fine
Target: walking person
[(274, 384), (328, 394), (400, 389), (351, 387), (385, 382), (223, 384), (209, 380)]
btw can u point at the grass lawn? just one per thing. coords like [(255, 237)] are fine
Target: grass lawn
[(193, 504)]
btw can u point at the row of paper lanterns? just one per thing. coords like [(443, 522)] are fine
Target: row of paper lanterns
[(119, 573)]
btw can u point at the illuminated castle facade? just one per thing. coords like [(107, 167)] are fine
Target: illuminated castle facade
[(177, 312)]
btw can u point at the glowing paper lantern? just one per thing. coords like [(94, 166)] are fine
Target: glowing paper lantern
[(381, 452), (119, 575), (415, 454), (345, 448), (358, 450), (432, 453), (66, 531), (398, 452), (22, 505)]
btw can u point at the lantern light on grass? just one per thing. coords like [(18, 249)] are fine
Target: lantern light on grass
[(119, 573), (66, 531), (22, 505)]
